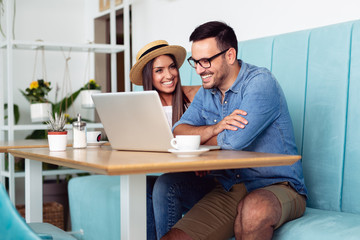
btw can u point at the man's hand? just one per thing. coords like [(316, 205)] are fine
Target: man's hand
[(232, 122), (209, 133)]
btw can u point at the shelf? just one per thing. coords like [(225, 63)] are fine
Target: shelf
[(55, 46), (44, 126), (10, 46)]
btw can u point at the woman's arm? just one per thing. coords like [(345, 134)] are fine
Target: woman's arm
[(190, 91)]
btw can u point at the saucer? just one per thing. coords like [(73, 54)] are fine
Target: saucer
[(96, 144), (188, 153)]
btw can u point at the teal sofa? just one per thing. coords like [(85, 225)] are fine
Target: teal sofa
[(319, 71)]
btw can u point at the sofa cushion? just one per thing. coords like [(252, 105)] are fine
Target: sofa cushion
[(351, 181), (95, 206), (48, 231), (257, 51), (325, 115), (321, 224), (289, 65)]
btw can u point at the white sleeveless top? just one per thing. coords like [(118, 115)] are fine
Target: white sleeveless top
[(168, 113)]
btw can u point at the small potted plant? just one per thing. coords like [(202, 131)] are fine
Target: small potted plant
[(57, 135), (89, 88), (36, 94)]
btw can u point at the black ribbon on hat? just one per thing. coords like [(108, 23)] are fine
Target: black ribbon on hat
[(152, 49)]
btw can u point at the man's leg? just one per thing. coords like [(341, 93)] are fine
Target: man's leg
[(212, 218), (258, 213), (174, 194), (175, 233), (264, 210)]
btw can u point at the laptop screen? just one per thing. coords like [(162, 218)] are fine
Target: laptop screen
[(134, 120)]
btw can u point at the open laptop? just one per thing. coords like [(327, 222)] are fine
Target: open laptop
[(134, 121)]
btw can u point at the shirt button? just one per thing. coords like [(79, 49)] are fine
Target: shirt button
[(225, 102), (215, 120), (238, 175)]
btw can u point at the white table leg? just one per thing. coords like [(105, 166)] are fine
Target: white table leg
[(133, 207), (33, 191), (2, 168), (11, 160)]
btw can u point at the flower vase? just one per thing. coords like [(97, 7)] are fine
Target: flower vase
[(40, 111), (86, 100), (57, 141)]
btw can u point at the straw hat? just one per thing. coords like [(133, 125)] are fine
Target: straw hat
[(151, 51)]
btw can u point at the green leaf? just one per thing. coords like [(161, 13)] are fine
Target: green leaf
[(25, 94), (37, 134), (66, 101), (16, 112)]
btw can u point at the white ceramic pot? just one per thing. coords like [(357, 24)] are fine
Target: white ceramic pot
[(86, 100), (57, 141), (40, 112)]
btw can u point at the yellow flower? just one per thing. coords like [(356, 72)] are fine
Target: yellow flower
[(92, 81), (34, 85)]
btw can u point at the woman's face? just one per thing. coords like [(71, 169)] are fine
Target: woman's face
[(165, 74)]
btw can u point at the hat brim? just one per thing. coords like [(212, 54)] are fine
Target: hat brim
[(136, 71)]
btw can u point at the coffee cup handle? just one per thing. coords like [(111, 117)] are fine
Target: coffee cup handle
[(98, 138), (174, 143)]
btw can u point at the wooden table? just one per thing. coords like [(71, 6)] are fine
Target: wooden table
[(132, 167), (6, 145), (21, 144)]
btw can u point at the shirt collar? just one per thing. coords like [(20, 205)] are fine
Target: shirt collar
[(235, 88)]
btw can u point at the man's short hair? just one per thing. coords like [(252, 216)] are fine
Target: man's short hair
[(223, 33)]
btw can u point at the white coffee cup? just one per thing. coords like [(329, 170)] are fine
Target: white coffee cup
[(93, 136), (186, 142)]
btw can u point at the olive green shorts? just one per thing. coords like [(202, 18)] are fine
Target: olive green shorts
[(214, 215)]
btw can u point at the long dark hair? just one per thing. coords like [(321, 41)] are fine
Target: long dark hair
[(179, 100)]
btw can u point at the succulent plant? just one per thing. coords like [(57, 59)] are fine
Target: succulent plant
[(57, 124)]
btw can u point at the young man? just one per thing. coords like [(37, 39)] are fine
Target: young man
[(250, 203)]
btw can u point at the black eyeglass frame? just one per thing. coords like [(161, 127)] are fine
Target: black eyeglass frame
[(204, 59)]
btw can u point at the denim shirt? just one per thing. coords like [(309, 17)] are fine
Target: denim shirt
[(269, 127)]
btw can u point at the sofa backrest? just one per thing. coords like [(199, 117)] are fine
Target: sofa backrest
[(319, 71)]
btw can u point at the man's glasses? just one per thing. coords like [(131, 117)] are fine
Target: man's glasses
[(204, 62)]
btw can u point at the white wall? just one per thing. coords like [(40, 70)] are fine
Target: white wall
[(174, 20), (70, 21), (64, 21)]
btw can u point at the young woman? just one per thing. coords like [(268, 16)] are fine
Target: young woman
[(157, 68)]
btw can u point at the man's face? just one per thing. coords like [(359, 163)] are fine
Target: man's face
[(216, 74)]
